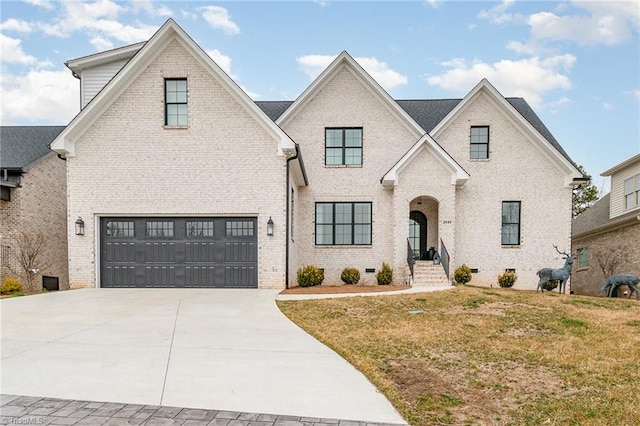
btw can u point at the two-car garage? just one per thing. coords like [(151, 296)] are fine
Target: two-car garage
[(209, 252)]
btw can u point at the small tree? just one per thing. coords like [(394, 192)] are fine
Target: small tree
[(385, 275), (584, 195), (610, 260), (28, 254)]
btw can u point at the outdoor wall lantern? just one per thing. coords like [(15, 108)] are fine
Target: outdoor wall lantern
[(79, 226), (270, 227)]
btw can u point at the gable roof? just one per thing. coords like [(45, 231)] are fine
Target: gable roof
[(428, 113), (553, 151), (626, 163), (22, 145), (596, 220), (65, 143), (345, 61)]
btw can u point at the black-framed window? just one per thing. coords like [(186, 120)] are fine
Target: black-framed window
[(343, 224), (343, 146), (199, 228), (175, 99), (120, 228), (159, 228), (239, 228), (479, 148), (511, 223)]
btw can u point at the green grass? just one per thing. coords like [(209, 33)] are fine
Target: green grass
[(499, 356)]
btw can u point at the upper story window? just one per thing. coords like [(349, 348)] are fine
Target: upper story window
[(343, 223), (479, 142), (510, 223), (632, 192), (343, 146), (175, 100)]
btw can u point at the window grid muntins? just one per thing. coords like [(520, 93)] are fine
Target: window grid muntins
[(479, 147), (632, 192), (583, 257), (159, 229), (343, 147), (239, 228), (195, 228), (120, 229), (343, 223), (176, 102), (511, 223)]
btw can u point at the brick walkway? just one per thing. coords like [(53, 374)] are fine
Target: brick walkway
[(27, 411)]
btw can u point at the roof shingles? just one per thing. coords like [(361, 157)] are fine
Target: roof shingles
[(21, 145)]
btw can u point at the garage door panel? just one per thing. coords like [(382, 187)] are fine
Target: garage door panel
[(178, 252)]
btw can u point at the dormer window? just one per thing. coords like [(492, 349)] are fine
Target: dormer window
[(479, 142), (175, 99), (343, 146), (632, 192)]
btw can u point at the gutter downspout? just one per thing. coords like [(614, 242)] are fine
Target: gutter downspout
[(286, 260)]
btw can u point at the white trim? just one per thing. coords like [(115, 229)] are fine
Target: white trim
[(64, 144), (458, 175), (615, 169), (570, 171), (346, 61)]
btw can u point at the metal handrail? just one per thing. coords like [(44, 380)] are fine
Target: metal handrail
[(444, 258), (410, 259)]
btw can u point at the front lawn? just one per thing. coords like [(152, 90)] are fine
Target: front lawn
[(489, 356)]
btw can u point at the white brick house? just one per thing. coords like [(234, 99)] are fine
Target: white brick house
[(178, 174)]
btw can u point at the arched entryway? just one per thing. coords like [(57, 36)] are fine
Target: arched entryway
[(423, 227)]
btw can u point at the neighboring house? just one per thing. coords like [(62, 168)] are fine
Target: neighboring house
[(183, 181), (607, 233), (33, 200)]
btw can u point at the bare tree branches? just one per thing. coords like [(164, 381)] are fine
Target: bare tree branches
[(28, 253)]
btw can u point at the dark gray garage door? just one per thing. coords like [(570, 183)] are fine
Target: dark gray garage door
[(179, 252)]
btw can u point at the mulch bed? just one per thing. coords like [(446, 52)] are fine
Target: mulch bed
[(346, 288)]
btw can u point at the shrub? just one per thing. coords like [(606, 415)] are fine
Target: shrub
[(11, 286), (507, 279), (550, 285), (462, 274), (310, 275), (350, 276), (385, 275)]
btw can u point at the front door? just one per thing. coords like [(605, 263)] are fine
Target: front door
[(418, 234)]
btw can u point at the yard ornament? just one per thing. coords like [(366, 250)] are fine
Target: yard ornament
[(615, 281), (550, 274)]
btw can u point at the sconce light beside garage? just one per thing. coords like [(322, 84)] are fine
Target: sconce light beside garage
[(79, 226), (270, 227)]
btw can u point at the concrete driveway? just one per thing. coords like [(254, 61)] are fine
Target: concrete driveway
[(211, 349)]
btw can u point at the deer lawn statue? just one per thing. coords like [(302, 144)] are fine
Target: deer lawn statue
[(615, 281), (550, 274)]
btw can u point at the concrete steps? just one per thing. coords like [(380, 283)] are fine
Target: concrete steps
[(425, 273)]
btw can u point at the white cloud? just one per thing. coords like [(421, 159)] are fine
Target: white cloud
[(45, 4), (434, 3), (607, 106), (12, 52), (101, 43), (218, 17), (222, 60), (99, 18), (313, 65), (635, 94), (528, 78), (598, 23), (16, 25), (321, 3), (39, 97), (148, 6), (499, 15)]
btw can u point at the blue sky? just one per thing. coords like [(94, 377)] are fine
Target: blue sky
[(576, 63)]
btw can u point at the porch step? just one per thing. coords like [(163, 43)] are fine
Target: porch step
[(425, 273)]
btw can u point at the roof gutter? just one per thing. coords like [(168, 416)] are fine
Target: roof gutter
[(288, 212)]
